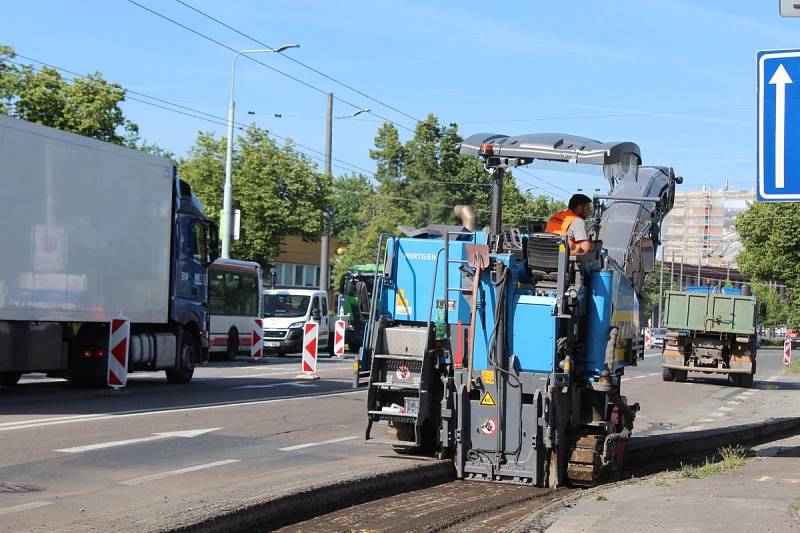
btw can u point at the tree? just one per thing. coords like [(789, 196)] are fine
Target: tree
[(648, 299), (771, 251), (87, 106), (350, 195), (277, 189)]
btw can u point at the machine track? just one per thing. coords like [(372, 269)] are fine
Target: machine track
[(454, 506), (584, 467)]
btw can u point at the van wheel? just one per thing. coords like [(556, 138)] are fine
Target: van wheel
[(9, 379), (233, 345), (187, 356)]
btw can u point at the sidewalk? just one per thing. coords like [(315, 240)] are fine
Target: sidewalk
[(758, 496)]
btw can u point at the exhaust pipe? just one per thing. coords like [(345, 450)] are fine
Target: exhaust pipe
[(466, 214)]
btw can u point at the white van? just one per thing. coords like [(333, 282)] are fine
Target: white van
[(285, 313)]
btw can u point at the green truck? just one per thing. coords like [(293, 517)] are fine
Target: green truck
[(710, 332), (356, 290)]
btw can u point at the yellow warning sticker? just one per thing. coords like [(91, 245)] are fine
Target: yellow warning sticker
[(488, 400), (402, 307), (487, 377)]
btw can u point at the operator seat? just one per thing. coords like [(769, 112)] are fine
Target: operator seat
[(542, 255)]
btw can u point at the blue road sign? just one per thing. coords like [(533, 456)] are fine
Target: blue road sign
[(778, 150)]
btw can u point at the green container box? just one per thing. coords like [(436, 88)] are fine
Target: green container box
[(713, 313)]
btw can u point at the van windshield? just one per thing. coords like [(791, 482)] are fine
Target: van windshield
[(285, 305)]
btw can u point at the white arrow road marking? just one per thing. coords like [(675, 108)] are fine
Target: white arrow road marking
[(179, 471), (24, 507), (312, 444), (780, 79), (270, 385), (155, 436)]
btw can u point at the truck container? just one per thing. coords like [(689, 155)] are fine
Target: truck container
[(710, 332), (93, 230)]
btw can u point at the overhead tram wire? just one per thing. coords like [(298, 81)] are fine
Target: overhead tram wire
[(201, 115), (253, 59), (297, 61), (221, 121)]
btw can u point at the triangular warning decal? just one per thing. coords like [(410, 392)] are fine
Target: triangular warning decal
[(488, 400)]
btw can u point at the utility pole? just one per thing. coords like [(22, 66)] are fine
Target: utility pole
[(672, 270), (325, 243), (661, 292), (680, 287)]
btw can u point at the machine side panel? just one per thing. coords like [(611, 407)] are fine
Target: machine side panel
[(534, 333)]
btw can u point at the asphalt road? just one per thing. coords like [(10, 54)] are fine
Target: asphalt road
[(158, 455)]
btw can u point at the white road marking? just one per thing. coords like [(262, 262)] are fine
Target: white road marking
[(242, 376), (717, 415), (179, 471), (154, 437), (723, 408), (734, 402), (626, 379), (654, 374), (27, 424), (312, 444), (693, 428), (24, 507), (271, 385), (636, 377), (747, 393)]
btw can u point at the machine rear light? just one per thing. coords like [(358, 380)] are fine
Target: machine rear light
[(86, 354), (99, 354), (486, 149)]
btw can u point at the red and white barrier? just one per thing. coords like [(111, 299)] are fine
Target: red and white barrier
[(257, 339), (118, 344), (787, 352), (338, 339), (310, 345), (648, 338)]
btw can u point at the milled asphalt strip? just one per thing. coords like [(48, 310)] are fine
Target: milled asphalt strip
[(312, 444), (24, 507), (179, 471), (27, 424)]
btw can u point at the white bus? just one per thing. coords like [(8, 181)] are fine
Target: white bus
[(234, 301)]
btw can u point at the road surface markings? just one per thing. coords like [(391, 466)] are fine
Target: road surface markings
[(626, 379), (243, 376), (640, 377), (654, 374), (705, 420), (717, 415), (271, 385), (24, 507), (723, 408), (312, 444), (179, 471), (154, 437), (763, 478), (27, 424), (734, 402), (693, 428)]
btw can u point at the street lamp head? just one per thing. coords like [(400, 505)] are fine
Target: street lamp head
[(285, 47)]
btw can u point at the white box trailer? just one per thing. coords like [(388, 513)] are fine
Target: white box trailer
[(91, 230)]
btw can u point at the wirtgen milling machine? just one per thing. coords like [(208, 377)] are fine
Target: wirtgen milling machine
[(500, 349)]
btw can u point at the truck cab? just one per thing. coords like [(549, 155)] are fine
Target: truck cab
[(286, 312)]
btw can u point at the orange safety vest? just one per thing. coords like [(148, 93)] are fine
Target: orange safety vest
[(559, 223)]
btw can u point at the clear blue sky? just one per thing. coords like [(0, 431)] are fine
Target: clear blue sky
[(677, 77)]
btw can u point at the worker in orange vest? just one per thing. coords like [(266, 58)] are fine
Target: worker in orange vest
[(572, 223)]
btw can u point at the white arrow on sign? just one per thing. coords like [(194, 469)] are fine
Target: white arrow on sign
[(780, 79), (155, 436)]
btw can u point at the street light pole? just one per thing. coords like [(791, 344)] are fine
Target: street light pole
[(228, 190)]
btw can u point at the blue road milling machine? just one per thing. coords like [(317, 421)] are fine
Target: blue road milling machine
[(500, 350)]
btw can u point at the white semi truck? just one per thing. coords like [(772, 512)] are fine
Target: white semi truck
[(92, 230)]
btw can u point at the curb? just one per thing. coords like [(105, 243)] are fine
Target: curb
[(305, 504), (656, 451)]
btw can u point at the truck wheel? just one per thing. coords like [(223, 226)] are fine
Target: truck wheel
[(9, 379), (233, 345), (667, 374), (680, 375), (189, 351), (746, 380)]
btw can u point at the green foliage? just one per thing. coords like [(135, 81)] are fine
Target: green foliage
[(648, 299), (420, 181), (350, 195), (88, 106), (768, 232), (278, 190)]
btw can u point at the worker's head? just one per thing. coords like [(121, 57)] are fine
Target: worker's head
[(581, 205)]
